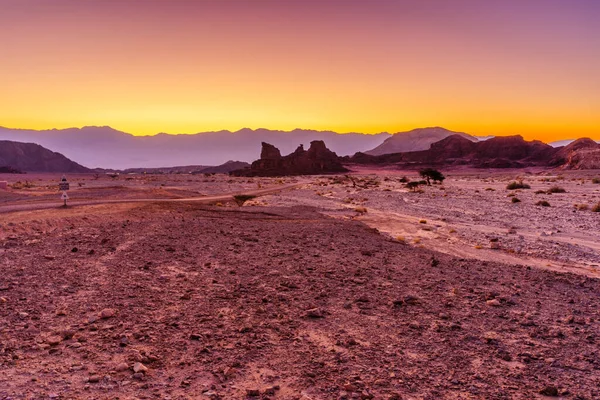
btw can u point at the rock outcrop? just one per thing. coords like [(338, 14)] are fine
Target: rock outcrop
[(583, 153), (31, 157), (498, 152), (318, 159)]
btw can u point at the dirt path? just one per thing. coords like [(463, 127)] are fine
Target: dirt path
[(204, 200)]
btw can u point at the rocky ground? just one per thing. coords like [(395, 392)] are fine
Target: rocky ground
[(471, 213), (278, 299)]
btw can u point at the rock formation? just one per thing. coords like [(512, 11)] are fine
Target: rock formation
[(318, 159), (498, 152), (583, 153)]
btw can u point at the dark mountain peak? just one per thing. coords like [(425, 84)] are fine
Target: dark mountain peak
[(31, 157), (582, 143), (450, 140)]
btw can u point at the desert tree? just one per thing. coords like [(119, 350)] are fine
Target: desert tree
[(430, 174)]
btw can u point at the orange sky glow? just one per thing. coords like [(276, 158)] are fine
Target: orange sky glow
[(527, 67)]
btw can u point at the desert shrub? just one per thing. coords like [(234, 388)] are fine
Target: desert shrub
[(596, 180), (413, 186), (556, 189), (540, 192), (490, 189), (596, 208), (542, 203), (240, 199), (422, 221), (404, 180), (431, 174), (515, 200), (517, 185), (581, 207), (360, 210)]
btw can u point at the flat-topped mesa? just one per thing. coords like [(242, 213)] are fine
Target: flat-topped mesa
[(318, 159)]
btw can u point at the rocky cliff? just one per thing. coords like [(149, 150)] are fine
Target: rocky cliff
[(583, 153), (318, 159)]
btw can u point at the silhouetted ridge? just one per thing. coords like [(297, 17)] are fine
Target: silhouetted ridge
[(31, 157), (318, 159)]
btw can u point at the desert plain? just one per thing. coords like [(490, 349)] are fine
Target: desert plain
[(343, 286)]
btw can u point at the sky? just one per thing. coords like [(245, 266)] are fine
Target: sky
[(499, 67)]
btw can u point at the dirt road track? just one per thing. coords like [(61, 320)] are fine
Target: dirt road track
[(205, 199)]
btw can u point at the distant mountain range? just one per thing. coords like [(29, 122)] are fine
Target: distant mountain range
[(108, 148), (31, 157), (104, 147), (193, 169), (497, 152), (415, 140)]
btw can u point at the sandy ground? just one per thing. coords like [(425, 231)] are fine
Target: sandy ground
[(303, 294)]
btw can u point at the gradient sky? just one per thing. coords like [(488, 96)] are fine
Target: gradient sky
[(183, 66)]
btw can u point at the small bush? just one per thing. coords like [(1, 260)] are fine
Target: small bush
[(490, 189), (556, 189), (361, 210), (515, 200), (240, 199), (413, 186), (404, 180), (517, 185), (596, 180), (581, 207), (542, 203), (596, 208), (422, 221), (540, 192)]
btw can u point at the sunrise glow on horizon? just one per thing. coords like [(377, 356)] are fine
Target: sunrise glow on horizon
[(526, 67)]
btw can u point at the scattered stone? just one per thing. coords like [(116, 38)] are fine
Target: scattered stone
[(314, 313), (493, 303), (411, 300), (139, 367), (107, 313), (551, 391), (54, 340), (121, 367), (253, 392), (94, 379), (138, 376)]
